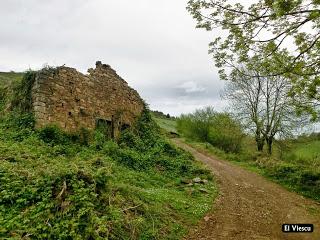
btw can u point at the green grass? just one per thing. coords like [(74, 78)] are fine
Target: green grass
[(8, 77), (167, 124), (56, 186), (305, 151), (7, 82)]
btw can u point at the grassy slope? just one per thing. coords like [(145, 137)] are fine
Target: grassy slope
[(167, 124), (305, 151), (298, 168), (54, 186), (8, 77)]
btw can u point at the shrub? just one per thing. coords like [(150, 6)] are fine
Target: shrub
[(196, 125), (52, 134), (110, 148), (21, 100), (146, 128), (18, 121), (206, 125), (99, 139), (84, 136), (129, 139), (310, 178), (284, 170), (225, 133)]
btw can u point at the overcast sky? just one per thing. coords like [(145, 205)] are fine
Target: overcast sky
[(152, 44)]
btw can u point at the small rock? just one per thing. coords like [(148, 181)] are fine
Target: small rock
[(206, 218), (197, 180), (204, 181)]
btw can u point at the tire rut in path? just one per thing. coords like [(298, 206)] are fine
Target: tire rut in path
[(250, 206)]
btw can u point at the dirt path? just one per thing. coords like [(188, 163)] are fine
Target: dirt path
[(250, 206)]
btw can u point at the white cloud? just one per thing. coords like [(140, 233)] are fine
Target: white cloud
[(192, 87)]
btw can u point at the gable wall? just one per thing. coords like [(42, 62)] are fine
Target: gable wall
[(72, 100)]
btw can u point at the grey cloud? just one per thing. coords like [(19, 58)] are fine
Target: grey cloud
[(153, 45)]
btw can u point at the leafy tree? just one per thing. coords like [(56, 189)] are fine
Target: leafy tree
[(197, 125), (263, 105), (226, 133), (207, 125), (285, 33)]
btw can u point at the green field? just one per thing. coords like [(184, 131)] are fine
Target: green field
[(8, 77), (167, 124), (308, 152)]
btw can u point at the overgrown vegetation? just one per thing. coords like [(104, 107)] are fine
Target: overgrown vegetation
[(294, 164), (7, 80), (21, 99), (207, 125), (85, 186)]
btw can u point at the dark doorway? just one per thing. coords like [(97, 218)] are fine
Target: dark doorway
[(105, 126)]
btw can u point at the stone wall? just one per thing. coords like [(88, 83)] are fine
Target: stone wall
[(67, 98)]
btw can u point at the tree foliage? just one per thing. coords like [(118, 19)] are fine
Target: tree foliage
[(197, 125), (282, 35), (226, 133)]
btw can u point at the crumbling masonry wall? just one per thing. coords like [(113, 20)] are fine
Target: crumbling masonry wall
[(67, 98)]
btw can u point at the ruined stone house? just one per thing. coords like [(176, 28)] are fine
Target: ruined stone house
[(65, 97)]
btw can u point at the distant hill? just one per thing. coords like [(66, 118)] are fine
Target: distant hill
[(160, 114), (9, 77)]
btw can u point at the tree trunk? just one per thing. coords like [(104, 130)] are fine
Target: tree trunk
[(269, 143), (260, 143)]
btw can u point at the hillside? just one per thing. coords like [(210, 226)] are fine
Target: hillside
[(168, 125), (8, 77), (86, 186)]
